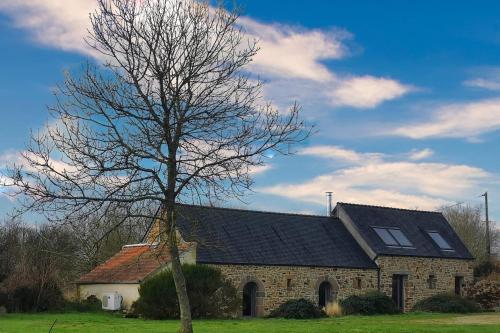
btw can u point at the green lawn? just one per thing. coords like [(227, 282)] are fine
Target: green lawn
[(102, 323)]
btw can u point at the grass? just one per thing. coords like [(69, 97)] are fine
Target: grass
[(104, 323)]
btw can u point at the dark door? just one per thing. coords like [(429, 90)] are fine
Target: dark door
[(325, 293), (398, 291), (458, 285), (249, 299)]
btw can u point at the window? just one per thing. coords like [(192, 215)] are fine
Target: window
[(393, 237), (431, 282), (386, 236), (289, 284), (439, 240), (400, 237), (356, 283), (459, 280)]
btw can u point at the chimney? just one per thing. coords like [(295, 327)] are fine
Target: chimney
[(329, 203)]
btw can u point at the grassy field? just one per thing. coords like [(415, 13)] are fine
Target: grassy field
[(103, 323)]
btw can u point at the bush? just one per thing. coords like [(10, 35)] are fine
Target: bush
[(447, 303), (297, 309), (90, 304), (33, 298), (369, 304), (484, 269), (486, 293), (4, 299), (209, 294)]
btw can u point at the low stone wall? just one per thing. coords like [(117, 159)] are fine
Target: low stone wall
[(418, 270), (277, 284)]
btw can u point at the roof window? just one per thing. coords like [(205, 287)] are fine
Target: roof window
[(393, 237), (439, 240)]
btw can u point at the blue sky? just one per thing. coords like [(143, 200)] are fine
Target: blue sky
[(405, 95)]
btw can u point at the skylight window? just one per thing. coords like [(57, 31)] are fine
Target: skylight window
[(400, 237), (439, 240), (393, 237)]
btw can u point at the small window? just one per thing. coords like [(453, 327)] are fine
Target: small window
[(439, 240), (393, 237), (288, 284), (459, 280), (357, 283), (431, 282)]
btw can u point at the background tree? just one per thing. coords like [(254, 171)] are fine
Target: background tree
[(46, 259), (467, 222), (170, 117)]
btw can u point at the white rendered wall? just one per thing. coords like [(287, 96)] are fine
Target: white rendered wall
[(129, 292)]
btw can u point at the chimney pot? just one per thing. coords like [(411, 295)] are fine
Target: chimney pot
[(329, 203)]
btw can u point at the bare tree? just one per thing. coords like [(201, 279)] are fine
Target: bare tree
[(466, 221), (171, 117), (101, 236)]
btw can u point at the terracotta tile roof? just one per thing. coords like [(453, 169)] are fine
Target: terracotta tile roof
[(131, 265)]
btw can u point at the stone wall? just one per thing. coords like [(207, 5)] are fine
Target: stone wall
[(277, 284), (417, 272)]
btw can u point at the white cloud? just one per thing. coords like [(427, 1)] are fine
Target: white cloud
[(460, 120), (292, 53), (367, 91), (259, 169), (378, 181), (489, 84), (18, 158), (55, 23), (342, 154), (417, 155), (355, 92)]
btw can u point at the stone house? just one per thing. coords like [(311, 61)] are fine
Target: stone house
[(273, 257)]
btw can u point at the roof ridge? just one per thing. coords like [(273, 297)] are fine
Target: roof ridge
[(388, 207), (255, 211)]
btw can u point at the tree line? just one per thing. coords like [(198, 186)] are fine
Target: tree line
[(41, 262)]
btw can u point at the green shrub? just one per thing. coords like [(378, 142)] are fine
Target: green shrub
[(371, 303), (210, 296), (5, 300), (297, 309), (447, 303), (90, 304), (34, 299)]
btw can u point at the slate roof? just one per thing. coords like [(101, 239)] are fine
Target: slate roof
[(131, 265), (413, 224), (233, 236)]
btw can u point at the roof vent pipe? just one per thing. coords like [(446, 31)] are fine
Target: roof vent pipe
[(329, 203)]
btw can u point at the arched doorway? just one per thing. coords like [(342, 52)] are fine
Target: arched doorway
[(250, 299), (324, 293)]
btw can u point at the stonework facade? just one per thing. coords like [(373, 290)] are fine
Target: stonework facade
[(409, 255), (423, 277), (277, 284)]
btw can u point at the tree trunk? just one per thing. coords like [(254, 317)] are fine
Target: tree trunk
[(179, 279), (180, 287)]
